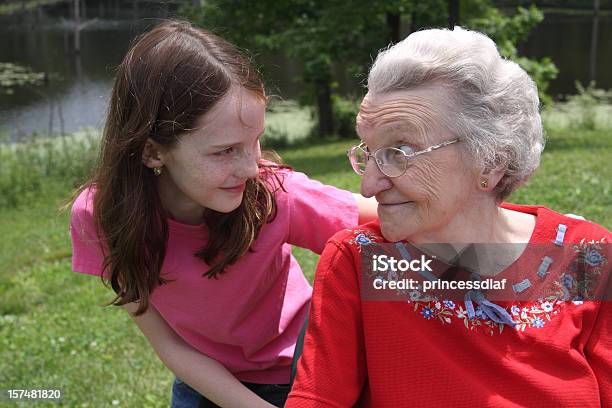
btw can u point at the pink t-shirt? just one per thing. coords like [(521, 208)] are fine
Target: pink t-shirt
[(249, 318)]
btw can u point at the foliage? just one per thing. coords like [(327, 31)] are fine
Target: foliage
[(318, 33), (345, 113), (13, 76), (589, 109), (14, 7), (27, 167), (586, 102), (507, 31), (287, 124)]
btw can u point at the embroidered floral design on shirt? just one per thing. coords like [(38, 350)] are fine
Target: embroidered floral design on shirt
[(363, 237), (588, 260), (538, 314), (580, 281), (447, 311), (525, 315), (588, 254)]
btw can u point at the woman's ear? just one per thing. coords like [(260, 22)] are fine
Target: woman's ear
[(489, 178), (152, 156)]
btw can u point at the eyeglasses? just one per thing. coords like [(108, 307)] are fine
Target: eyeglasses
[(391, 161)]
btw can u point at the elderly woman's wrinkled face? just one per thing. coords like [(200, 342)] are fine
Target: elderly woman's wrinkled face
[(422, 203)]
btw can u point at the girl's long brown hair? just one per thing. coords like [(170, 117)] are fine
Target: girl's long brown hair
[(171, 75)]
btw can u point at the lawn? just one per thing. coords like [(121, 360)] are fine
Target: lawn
[(55, 332)]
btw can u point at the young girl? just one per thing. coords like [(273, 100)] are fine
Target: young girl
[(192, 229)]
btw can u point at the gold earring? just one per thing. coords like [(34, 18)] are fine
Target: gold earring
[(484, 183), (157, 171)]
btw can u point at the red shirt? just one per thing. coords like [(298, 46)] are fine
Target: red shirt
[(430, 354)]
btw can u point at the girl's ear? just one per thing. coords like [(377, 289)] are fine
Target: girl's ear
[(152, 156)]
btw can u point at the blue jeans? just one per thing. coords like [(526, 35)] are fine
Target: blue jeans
[(183, 396)]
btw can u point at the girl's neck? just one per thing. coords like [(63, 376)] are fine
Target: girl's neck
[(178, 206)]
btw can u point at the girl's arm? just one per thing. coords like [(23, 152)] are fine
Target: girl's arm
[(367, 208), (206, 375)]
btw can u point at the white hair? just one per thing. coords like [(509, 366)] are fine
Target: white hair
[(497, 105)]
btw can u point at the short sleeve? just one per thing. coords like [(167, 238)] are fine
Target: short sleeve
[(87, 254), (332, 369), (317, 211)]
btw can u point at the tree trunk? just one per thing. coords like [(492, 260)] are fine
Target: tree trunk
[(594, 35), (453, 13), (324, 106), (77, 30), (394, 25), (413, 21)]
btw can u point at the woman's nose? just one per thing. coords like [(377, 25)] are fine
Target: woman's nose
[(373, 181)]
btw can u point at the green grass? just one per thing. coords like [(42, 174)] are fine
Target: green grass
[(575, 176), (44, 167), (54, 332)]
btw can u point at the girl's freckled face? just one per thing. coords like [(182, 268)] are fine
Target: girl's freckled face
[(436, 185), (209, 166)]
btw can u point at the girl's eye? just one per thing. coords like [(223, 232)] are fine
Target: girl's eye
[(226, 152)]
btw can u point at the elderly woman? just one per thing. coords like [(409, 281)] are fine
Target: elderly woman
[(449, 130)]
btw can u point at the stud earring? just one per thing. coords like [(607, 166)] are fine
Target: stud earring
[(484, 183), (157, 171)]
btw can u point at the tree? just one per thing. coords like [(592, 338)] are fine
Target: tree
[(594, 35), (318, 33), (453, 13), (507, 31)]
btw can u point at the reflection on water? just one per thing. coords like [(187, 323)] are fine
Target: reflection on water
[(79, 96), (81, 104)]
